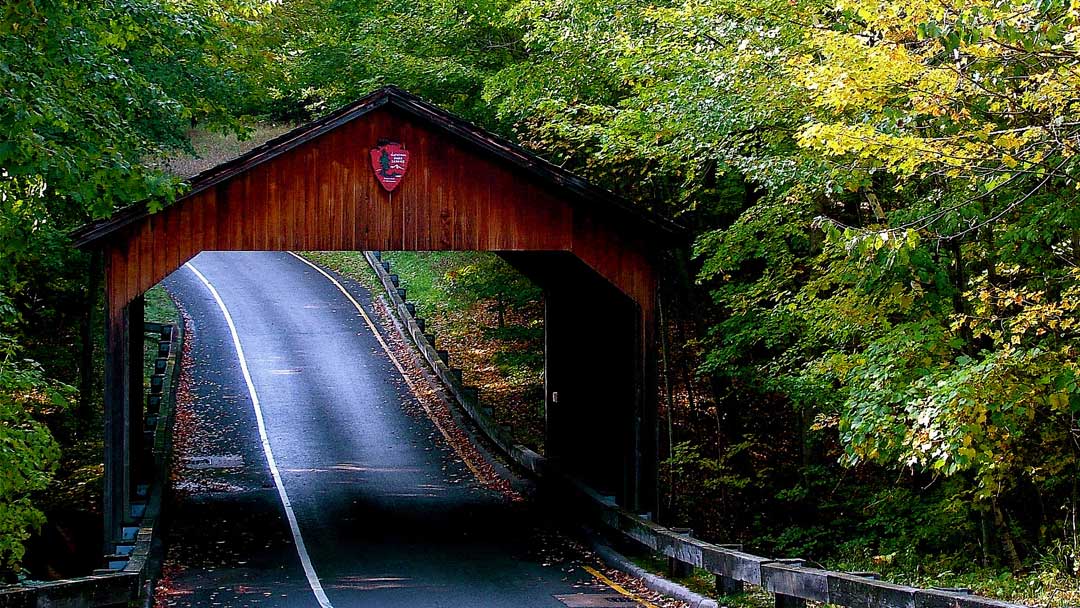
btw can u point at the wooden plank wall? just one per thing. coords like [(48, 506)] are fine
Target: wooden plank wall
[(323, 195)]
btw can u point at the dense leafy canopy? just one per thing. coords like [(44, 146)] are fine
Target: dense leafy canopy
[(89, 92)]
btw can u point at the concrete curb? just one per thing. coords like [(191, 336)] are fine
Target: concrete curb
[(657, 583)]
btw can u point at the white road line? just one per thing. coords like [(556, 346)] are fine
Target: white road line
[(401, 370), (298, 540)]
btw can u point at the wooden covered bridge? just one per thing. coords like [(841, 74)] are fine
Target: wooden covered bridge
[(392, 172)]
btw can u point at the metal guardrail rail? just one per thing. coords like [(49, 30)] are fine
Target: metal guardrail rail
[(792, 583)]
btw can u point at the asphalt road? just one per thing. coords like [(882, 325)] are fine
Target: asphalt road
[(386, 511)]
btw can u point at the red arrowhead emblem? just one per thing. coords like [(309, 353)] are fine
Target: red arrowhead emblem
[(389, 160)]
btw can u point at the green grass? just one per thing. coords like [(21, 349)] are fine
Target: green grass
[(504, 363), (1042, 587), (351, 264), (1045, 585), (422, 275), (159, 308)]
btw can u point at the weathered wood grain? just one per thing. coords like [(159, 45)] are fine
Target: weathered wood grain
[(861, 592), (323, 195), (794, 581)]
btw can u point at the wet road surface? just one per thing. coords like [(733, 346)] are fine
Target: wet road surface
[(385, 512)]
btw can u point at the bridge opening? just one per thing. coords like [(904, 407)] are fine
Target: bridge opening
[(369, 482)]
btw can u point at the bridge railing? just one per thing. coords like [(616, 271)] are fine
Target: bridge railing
[(787, 579), (792, 583)]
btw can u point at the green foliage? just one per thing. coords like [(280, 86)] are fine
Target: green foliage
[(28, 453), (318, 55), (489, 278), (90, 94), (885, 221)]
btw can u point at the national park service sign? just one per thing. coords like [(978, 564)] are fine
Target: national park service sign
[(390, 160)]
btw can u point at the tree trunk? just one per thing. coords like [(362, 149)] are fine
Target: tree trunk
[(1007, 542), (669, 401), (1074, 504), (86, 337)]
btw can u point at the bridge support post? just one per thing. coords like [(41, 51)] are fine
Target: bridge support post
[(600, 377), (600, 419), (726, 586), (135, 395), (117, 455), (647, 430), (789, 601)]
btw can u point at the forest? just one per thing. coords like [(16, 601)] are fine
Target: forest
[(869, 347)]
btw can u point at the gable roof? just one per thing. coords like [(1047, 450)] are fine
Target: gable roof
[(414, 107)]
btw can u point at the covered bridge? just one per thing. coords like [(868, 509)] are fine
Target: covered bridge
[(322, 187)]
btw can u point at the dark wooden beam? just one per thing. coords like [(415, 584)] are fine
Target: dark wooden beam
[(116, 456), (135, 346)]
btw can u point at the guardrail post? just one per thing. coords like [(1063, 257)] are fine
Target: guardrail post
[(677, 568), (787, 601), (725, 585)]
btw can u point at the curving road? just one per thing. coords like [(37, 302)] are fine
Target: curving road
[(368, 505)]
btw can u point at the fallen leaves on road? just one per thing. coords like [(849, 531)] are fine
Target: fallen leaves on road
[(434, 405)]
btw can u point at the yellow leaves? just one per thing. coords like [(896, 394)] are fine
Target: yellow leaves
[(852, 73), (895, 17), (1058, 401), (1008, 316), (904, 155), (1008, 141), (950, 88)]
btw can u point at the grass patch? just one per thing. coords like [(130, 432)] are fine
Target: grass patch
[(351, 264), (212, 149), (422, 273), (1045, 585), (504, 360), (158, 308), (703, 582), (496, 340)]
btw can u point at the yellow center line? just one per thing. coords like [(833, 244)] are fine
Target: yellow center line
[(617, 587)]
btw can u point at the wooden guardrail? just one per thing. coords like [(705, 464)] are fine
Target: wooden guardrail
[(467, 397), (792, 583)]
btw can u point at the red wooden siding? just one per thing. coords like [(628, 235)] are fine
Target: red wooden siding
[(323, 195)]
